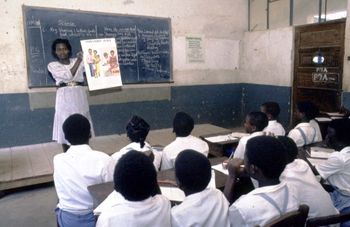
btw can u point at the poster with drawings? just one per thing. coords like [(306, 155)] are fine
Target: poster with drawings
[(101, 63)]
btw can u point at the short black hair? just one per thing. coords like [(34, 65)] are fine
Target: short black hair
[(268, 154), (183, 124), (60, 41), (258, 119), (135, 176), (272, 108), (308, 108), (76, 129), (290, 147), (339, 137), (192, 170), (137, 130)]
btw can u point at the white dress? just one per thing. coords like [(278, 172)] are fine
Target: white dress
[(69, 99)]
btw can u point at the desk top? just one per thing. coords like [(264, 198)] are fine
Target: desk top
[(99, 192)]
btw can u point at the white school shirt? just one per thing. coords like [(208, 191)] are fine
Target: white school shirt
[(311, 135), (203, 209), (171, 151), (252, 209), (74, 171), (336, 170), (275, 128), (299, 175), (240, 150), (316, 126), (69, 99), (154, 211), (136, 146)]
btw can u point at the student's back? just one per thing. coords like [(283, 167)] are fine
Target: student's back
[(182, 126), (136, 202), (202, 207), (272, 110)]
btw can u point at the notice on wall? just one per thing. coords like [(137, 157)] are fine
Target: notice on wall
[(101, 63), (194, 50)]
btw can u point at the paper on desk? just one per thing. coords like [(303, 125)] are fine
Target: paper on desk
[(316, 161), (220, 168), (320, 152), (323, 119), (110, 201), (173, 194), (335, 114), (239, 134), (221, 138)]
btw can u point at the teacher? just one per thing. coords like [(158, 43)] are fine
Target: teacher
[(71, 96)]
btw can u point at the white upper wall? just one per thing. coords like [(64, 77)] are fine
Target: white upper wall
[(220, 23), (267, 57)]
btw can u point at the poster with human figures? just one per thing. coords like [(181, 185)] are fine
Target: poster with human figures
[(101, 63)]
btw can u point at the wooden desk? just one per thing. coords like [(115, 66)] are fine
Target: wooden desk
[(99, 192), (217, 149)]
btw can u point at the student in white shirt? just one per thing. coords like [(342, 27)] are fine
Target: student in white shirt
[(137, 130), (299, 175), (140, 203), (308, 131), (254, 123), (75, 170), (202, 207), (265, 160), (336, 169), (272, 110), (183, 125)]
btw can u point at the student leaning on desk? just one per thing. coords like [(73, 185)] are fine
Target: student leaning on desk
[(336, 169)]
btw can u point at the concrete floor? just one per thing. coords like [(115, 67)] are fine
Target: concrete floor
[(29, 207)]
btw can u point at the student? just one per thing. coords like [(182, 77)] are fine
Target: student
[(182, 126), (202, 207), (265, 160), (75, 170), (71, 95), (137, 130), (135, 179), (254, 123), (308, 131), (272, 110), (299, 175), (336, 169)]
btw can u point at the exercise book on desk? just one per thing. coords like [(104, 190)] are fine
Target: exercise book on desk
[(320, 152), (234, 136)]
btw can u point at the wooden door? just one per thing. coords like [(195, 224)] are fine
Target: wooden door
[(319, 83)]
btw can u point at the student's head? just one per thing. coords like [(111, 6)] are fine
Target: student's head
[(95, 52), (137, 130), (338, 135), (105, 54), (192, 171), (61, 49), (255, 122), (290, 147), (76, 129), (265, 158), (112, 52), (135, 176), (182, 124), (90, 51), (271, 109), (307, 110)]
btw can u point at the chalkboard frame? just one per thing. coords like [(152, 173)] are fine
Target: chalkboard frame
[(26, 8)]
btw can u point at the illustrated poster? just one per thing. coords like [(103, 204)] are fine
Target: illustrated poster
[(101, 63)]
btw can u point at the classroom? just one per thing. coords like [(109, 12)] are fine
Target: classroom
[(247, 54)]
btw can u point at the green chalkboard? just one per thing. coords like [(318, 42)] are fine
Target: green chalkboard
[(144, 43)]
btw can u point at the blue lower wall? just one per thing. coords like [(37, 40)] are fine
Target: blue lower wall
[(253, 95), (216, 104)]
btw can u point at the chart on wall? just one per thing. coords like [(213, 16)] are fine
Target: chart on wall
[(144, 43)]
